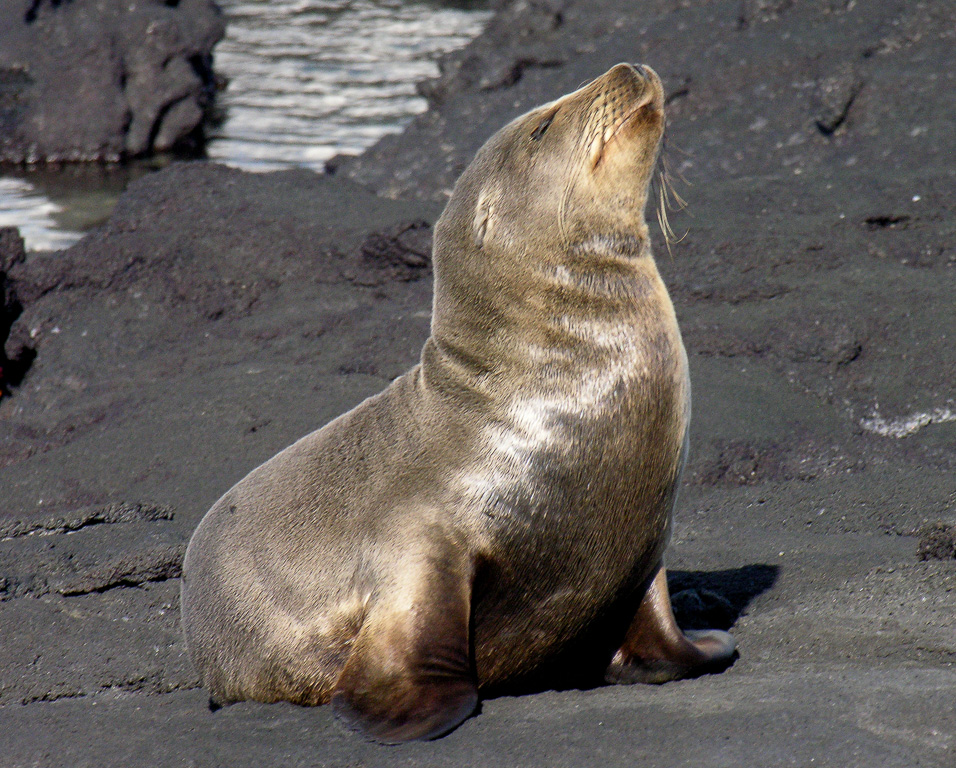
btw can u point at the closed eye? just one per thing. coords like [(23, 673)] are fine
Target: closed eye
[(542, 127)]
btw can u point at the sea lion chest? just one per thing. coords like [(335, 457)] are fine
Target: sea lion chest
[(574, 473)]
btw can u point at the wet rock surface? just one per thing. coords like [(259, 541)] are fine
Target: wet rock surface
[(219, 316), (85, 80)]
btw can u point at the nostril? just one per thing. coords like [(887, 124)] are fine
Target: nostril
[(640, 69)]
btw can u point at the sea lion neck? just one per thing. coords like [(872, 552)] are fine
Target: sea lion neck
[(557, 310)]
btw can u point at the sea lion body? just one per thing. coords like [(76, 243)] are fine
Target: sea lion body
[(470, 523)]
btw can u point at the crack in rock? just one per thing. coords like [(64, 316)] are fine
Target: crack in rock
[(159, 564), (76, 519)]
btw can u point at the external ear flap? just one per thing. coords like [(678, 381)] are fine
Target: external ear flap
[(483, 213)]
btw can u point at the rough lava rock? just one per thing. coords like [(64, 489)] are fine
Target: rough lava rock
[(87, 80), (12, 255)]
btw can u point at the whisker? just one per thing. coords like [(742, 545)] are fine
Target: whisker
[(667, 198)]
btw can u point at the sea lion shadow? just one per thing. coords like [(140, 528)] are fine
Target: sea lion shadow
[(717, 599), (701, 600)]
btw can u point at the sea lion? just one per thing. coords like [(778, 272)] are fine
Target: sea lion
[(461, 529)]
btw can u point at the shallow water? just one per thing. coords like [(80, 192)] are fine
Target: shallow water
[(308, 79)]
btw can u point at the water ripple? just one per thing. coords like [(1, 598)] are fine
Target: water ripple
[(308, 79), (312, 78)]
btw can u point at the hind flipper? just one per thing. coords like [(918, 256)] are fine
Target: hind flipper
[(655, 649)]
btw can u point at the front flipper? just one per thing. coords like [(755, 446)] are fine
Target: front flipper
[(409, 674), (655, 650)]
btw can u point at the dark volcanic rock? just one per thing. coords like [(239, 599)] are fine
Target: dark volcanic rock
[(104, 79), (12, 254), (402, 252), (180, 276), (937, 542), (114, 551)]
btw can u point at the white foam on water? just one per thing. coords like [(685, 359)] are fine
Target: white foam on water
[(23, 205)]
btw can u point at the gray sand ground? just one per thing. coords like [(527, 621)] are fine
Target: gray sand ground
[(219, 316)]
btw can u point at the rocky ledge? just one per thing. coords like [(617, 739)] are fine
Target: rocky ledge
[(86, 80)]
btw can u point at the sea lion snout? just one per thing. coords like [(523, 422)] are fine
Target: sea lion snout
[(626, 93), (632, 82)]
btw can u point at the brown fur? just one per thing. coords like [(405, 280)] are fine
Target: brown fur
[(464, 526)]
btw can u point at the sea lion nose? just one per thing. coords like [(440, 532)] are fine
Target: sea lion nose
[(640, 69)]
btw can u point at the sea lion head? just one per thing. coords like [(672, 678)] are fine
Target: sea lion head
[(568, 175), (561, 188)]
